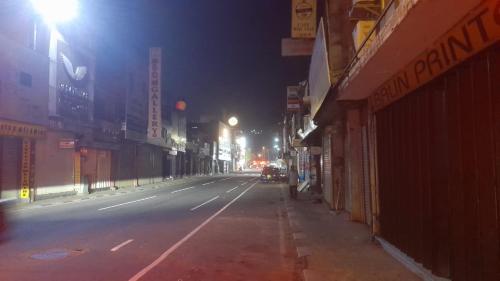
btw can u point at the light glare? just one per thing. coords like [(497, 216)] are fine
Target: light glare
[(56, 11), (233, 121)]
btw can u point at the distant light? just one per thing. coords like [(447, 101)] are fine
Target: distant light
[(56, 11), (225, 133), (276, 139), (260, 155), (233, 121), (242, 142), (180, 105)]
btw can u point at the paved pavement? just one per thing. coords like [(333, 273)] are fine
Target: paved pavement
[(210, 228), (333, 248)]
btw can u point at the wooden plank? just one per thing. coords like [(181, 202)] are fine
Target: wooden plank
[(426, 186), (495, 85), (488, 228), (457, 230), (439, 180), (473, 263)]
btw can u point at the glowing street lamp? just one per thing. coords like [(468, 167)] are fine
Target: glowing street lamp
[(56, 11), (233, 121), (276, 139)]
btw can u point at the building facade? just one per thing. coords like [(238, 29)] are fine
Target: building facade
[(409, 127)]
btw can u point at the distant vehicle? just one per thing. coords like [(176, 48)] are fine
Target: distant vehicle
[(270, 174), (283, 175)]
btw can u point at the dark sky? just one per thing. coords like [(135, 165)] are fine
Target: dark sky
[(220, 54)]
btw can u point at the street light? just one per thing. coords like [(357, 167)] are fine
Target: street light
[(56, 11), (233, 121), (276, 139)]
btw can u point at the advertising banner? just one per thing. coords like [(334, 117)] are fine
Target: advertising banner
[(319, 72), (154, 123), (303, 18)]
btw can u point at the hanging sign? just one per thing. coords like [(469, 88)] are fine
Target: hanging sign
[(16, 129), (154, 124), (303, 18), (293, 102)]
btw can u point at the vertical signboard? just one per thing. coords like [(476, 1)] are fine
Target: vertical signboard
[(25, 169), (78, 168), (303, 18), (293, 100), (224, 151), (154, 124)]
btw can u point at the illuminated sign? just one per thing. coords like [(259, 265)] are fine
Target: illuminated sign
[(478, 30), (224, 147), (154, 125)]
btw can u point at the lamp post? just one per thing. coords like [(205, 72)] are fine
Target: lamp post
[(232, 121)]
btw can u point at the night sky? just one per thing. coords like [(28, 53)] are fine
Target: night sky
[(221, 55)]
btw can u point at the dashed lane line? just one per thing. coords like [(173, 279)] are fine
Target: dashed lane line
[(126, 203), (207, 183), (172, 249), (204, 203), (179, 190), (232, 189), (121, 245)]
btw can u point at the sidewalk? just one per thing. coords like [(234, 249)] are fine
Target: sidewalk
[(335, 249), (17, 205)]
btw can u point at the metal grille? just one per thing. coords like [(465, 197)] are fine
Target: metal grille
[(438, 169)]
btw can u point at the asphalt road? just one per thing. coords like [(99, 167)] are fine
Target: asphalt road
[(221, 228)]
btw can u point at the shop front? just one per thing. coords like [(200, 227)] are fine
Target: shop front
[(17, 159), (433, 138)]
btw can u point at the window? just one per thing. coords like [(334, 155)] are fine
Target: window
[(25, 79)]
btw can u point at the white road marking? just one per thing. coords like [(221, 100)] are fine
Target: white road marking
[(244, 183), (232, 189), (168, 252), (179, 190), (207, 183), (121, 245), (126, 203), (215, 198)]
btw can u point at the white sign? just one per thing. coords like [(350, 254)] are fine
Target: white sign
[(319, 72), (224, 151), (154, 124)]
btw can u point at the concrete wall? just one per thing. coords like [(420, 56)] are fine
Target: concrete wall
[(25, 103)]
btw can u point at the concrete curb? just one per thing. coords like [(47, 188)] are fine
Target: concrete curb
[(15, 206)]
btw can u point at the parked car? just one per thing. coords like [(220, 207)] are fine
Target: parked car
[(270, 174), (283, 175)]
